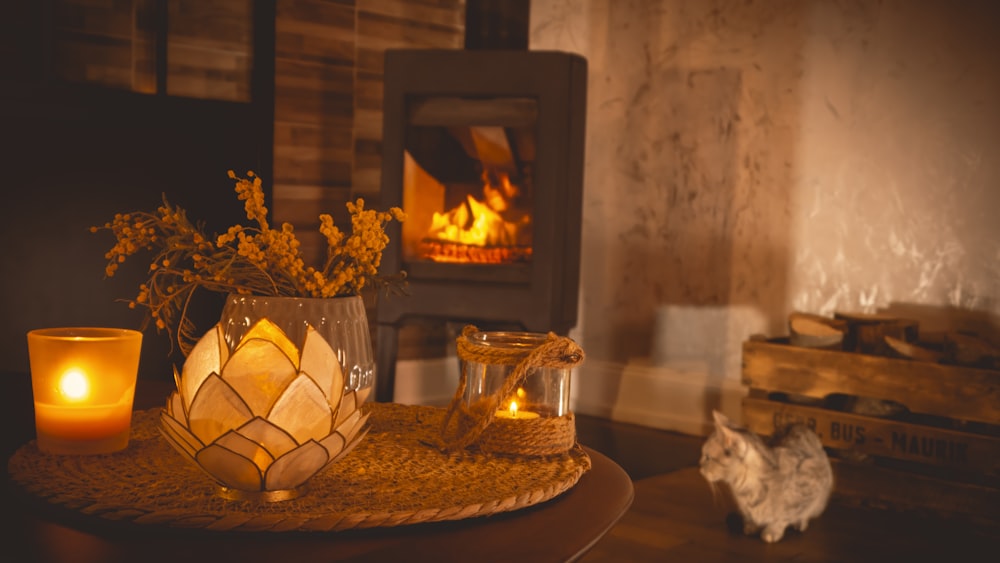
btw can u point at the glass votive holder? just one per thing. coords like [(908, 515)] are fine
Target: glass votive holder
[(83, 383), (543, 393), (514, 393)]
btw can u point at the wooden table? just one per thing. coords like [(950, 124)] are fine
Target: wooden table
[(562, 529)]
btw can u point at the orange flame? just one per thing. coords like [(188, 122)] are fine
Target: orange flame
[(479, 223)]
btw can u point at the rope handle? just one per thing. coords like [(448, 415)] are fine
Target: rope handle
[(558, 352)]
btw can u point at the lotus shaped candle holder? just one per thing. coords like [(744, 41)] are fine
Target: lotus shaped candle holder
[(263, 418)]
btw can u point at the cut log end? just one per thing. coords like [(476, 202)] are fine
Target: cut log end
[(913, 351), (866, 333), (815, 331)]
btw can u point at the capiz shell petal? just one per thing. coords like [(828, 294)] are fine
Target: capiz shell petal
[(320, 362), (245, 447), (351, 426), (179, 436), (303, 411), (334, 444), (230, 468), (178, 386), (296, 467), (206, 358), (277, 441), (348, 406), (175, 407), (259, 371), (361, 395), (265, 329), (346, 437), (347, 449), (215, 410)]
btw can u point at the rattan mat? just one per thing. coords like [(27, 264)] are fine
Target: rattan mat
[(394, 477)]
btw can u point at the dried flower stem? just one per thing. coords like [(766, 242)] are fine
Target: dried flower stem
[(247, 260)]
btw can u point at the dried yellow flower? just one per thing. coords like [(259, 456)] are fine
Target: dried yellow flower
[(247, 260)]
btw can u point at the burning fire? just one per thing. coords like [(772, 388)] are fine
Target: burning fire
[(473, 223), (476, 231)]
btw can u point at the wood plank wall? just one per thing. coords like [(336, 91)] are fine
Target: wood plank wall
[(328, 85), (328, 79), (104, 44), (113, 44), (209, 49), (328, 76), (328, 99)]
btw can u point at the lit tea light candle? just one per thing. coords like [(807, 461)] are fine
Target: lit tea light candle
[(83, 382), (75, 418), (536, 367), (513, 411), (74, 385)]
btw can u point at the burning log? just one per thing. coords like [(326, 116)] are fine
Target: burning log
[(447, 251)]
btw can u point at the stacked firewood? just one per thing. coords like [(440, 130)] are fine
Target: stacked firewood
[(891, 336)]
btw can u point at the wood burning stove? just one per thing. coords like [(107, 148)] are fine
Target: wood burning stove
[(484, 151)]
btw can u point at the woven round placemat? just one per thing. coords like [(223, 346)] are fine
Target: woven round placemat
[(396, 476)]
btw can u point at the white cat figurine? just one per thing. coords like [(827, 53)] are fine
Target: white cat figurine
[(785, 482)]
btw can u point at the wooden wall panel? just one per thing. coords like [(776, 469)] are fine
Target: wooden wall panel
[(312, 154), (320, 31), (209, 49), (391, 25), (310, 93), (443, 13), (313, 112), (328, 99), (92, 41), (113, 44), (328, 73)]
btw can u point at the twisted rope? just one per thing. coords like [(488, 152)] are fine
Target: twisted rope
[(465, 425)]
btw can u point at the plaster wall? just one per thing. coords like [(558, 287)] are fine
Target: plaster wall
[(747, 159)]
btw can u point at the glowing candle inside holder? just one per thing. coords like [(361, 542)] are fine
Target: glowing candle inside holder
[(543, 393), (83, 382), (514, 411), (513, 394)]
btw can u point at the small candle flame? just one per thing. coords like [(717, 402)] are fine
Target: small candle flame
[(513, 409), (74, 385)]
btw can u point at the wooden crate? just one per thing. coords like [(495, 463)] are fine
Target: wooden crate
[(942, 455)]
